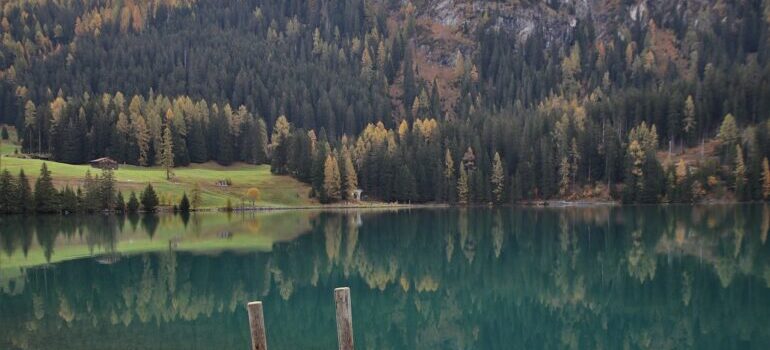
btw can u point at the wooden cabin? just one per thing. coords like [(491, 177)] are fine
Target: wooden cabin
[(104, 163)]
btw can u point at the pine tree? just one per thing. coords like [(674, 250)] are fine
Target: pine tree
[(689, 116), (449, 174), (405, 184), (107, 189), (167, 154), (26, 202), (92, 196), (349, 176), (149, 199), (197, 143), (133, 203), (634, 182), (45, 193), (141, 139), (122, 136), (319, 162), (30, 122), (120, 203), (498, 179), (184, 204), (8, 201), (367, 70), (463, 189), (739, 173), (279, 146), (331, 180), (728, 136), (564, 176), (69, 200), (261, 142)]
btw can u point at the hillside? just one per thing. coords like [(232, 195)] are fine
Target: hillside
[(417, 101)]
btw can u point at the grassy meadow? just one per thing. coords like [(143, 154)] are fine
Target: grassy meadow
[(276, 191)]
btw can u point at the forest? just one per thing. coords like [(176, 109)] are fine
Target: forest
[(668, 105)]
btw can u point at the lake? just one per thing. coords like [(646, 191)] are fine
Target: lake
[(657, 277)]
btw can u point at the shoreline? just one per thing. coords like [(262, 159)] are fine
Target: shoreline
[(398, 206)]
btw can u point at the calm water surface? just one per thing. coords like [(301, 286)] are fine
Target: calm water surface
[(655, 277)]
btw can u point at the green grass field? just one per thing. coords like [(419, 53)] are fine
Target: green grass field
[(276, 191)]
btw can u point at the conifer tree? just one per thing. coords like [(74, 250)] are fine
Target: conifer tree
[(45, 194), (728, 136), (739, 173), (122, 136), (498, 179), (69, 200), (149, 199), (141, 139), (167, 154), (689, 116), (279, 146), (133, 203), (564, 176), (120, 203), (463, 189), (349, 176), (184, 204), (367, 69), (261, 142), (8, 201), (92, 195), (26, 202), (634, 182), (30, 122), (318, 166), (331, 180), (449, 174), (107, 189)]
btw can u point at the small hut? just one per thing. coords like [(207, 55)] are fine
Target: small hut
[(104, 163)]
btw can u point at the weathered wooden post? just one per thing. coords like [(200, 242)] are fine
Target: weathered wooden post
[(257, 325), (344, 318)]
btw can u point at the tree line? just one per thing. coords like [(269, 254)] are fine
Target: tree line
[(429, 161), (156, 130), (98, 193), (333, 95)]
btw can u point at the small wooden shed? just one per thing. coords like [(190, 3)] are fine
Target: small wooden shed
[(104, 163)]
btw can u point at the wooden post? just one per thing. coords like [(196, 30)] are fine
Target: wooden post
[(257, 325), (344, 318)]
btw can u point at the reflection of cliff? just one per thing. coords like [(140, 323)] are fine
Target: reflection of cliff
[(653, 277)]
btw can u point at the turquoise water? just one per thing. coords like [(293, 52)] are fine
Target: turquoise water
[(657, 277)]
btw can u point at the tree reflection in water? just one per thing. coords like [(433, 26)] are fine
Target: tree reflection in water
[(603, 277)]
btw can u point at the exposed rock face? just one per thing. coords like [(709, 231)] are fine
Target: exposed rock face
[(448, 25), (557, 18)]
